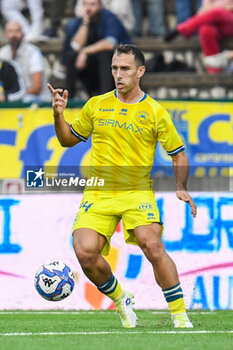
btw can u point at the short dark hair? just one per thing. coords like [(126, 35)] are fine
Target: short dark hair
[(129, 48)]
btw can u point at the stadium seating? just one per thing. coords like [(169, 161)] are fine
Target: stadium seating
[(173, 84)]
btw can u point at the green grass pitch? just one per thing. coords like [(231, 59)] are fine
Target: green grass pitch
[(101, 330)]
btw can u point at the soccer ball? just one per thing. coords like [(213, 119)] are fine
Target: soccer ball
[(54, 281)]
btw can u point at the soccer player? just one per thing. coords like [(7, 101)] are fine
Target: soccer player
[(126, 125)]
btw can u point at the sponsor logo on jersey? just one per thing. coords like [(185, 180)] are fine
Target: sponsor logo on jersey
[(106, 109), (116, 124), (142, 117)]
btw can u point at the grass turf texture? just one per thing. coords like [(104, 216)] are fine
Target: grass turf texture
[(102, 330)]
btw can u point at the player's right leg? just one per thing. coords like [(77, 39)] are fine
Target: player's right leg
[(88, 245)]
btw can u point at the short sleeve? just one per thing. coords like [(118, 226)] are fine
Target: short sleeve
[(82, 126), (167, 134)]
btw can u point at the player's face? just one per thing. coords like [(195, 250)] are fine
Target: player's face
[(126, 72), (14, 33), (91, 7)]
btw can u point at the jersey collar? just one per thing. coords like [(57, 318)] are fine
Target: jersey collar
[(141, 99)]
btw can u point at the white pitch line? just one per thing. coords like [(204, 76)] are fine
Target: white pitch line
[(189, 312), (67, 312), (202, 313), (105, 333), (49, 312)]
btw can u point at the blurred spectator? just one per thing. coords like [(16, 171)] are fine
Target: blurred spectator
[(122, 9), (210, 4), (12, 10), (213, 22), (11, 82), (29, 60), (90, 41), (186, 8), (155, 11), (219, 61), (57, 13)]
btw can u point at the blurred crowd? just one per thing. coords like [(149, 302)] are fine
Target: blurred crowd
[(90, 35)]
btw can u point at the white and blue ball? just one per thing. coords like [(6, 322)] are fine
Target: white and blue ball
[(54, 281)]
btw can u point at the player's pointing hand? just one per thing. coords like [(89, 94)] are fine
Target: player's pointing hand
[(185, 196), (60, 98)]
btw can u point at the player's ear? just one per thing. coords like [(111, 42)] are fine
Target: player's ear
[(141, 71)]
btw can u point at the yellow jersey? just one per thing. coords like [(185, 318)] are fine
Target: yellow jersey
[(124, 136)]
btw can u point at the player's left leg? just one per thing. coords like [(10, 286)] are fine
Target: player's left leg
[(149, 240)]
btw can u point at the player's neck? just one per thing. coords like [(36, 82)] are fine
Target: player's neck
[(133, 96)]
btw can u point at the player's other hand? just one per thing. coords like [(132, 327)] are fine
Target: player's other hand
[(60, 98), (185, 196)]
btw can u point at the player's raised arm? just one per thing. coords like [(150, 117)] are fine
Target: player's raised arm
[(181, 170), (62, 128)]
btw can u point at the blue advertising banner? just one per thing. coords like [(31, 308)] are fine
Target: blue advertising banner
[(27, 138)]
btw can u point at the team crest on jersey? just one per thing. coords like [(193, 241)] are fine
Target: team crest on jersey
[(142, 117)]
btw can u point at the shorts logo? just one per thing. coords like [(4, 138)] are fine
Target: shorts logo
[(145, 206), (150, 216), (142, 117), (35, 178)]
